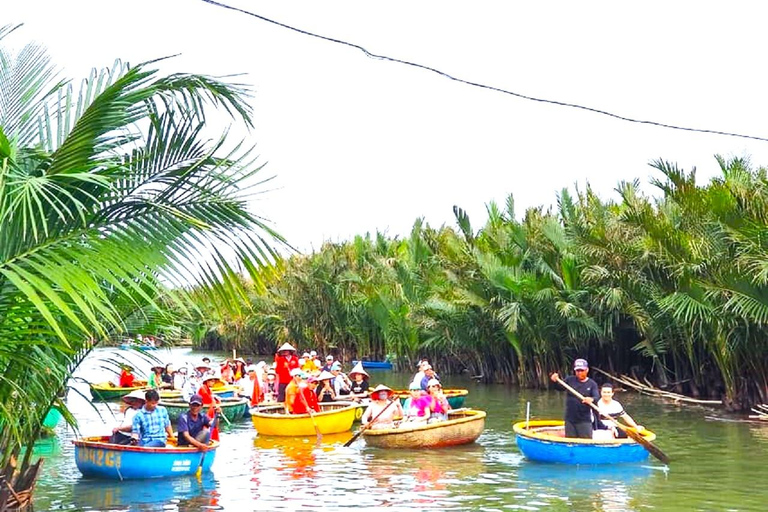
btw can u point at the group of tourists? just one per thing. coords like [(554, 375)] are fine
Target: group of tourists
[(146, 423)]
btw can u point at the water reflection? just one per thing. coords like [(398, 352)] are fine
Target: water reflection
[(145, 495)]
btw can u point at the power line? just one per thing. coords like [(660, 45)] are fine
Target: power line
[(483, 86)]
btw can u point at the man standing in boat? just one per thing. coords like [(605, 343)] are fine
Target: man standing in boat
[(578, 414), (285, 361)]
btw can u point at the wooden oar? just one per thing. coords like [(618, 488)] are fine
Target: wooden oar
[(312, 417), (199, 471), (366, 427), (652, 448)]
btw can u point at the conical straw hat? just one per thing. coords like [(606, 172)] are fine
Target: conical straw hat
[(359, 369), (286, 346)]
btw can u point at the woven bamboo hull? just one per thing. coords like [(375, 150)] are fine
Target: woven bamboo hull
[(544, 441), (333, 419), (462, 427), (234, 409), (222, 391)]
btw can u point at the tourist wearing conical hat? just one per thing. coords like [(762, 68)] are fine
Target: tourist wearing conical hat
[(134, 401), (325, 391), (211, 401), (380, 414), (285, 361), (359, 385), (126, 376)]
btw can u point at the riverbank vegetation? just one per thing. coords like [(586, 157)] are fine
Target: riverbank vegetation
[(671, 288), (109, 193)]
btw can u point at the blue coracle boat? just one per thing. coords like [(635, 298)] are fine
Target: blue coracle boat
[(545, 441), (98, 458), (375, 365)]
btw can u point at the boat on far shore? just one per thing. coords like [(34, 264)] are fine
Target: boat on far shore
[(374, 365)]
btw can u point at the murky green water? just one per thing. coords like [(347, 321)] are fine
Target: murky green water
[(716, 465)]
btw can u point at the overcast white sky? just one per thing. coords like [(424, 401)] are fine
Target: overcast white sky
[(358, 144)]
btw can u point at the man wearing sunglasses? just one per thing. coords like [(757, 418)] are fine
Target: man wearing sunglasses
[(578, 413)]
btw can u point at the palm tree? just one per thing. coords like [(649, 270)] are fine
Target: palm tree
[(107, 194)]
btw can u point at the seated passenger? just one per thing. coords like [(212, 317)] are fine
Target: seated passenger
[(151, 425), (380, 414), (194, 427), (325, 391), (438, 404), (122, 433), (306, 397), (606, 428), (359, 386), (416, 406)]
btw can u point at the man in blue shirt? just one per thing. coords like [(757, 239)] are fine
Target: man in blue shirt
[(151, 425), (194, 428)]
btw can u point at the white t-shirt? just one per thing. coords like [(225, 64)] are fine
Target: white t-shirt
[(246, 386), (128, 418), (612, 409)]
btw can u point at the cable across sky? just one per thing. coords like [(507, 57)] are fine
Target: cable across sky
[(485, 86)]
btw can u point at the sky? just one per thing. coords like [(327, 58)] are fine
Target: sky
[(357, 144)]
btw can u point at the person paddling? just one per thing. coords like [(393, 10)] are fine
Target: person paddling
[(380, 396), (194, 427), (578, 414)]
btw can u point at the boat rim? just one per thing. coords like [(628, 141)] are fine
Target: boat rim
[(98, 442), (346, 406), (520, 429), (468, 415)]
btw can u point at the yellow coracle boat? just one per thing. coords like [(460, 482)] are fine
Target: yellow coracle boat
[(333, 418)]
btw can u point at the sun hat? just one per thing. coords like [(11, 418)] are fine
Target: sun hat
[(136, 394), (161, 366), (426, 367), (414, 386), (211, 376), (305, 355), (423, 363), (196, 399), (203, 364), (295, 372), (336, 366), (359, 369), (580, 364), (324, 375), (329, 357), (380, 388), (433, 382), (312, 353), (311, 380), (286, 346), (251, 368)]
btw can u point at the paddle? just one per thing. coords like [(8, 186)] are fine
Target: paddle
[(366, 427), (199, 471), (311, 416), (652, 448)]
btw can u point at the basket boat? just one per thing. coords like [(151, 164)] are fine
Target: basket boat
[(105, 391), (97, 457), (333, 418), (234, 409), (545, 441), (221, 390), (374, 365), (455, 397), (462, 427)]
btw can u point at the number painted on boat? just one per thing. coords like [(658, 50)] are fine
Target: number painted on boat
[(99, 458), (181, 465)]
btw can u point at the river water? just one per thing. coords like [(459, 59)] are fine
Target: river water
[(717, 464)]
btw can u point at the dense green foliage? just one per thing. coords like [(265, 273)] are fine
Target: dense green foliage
[(671, 289), (107, 194)]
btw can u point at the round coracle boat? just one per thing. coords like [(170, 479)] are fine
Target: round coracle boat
[(332, 419), (109, 391), (545, 441), (234, 409), (221, 390), (462, 427), (97, 457), (455, 397)]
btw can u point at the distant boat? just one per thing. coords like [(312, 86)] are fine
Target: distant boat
[(375, 365), (108, 391), (134, 346), (97, 457)]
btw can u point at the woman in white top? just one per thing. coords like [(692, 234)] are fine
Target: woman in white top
[(380, 414), (122, 433), (610, 408)]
